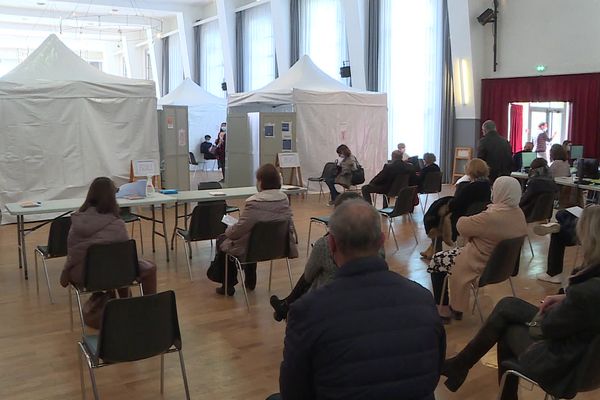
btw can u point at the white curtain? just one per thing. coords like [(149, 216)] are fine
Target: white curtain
[(323, 35), (175, 64), (259, 47), (212, 70), (410, 71)]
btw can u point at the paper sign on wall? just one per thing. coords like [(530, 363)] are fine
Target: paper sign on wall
[(144, 168), (170, 122), (343, 129), (269, 130), (286, 130), (288, 160), (182, 136)]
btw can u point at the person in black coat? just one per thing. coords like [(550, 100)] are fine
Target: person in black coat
[(368, 334), (569, 322), (518, 156), (495, 151), (382, 182), (205, 149), (430, 166), (540, 181)]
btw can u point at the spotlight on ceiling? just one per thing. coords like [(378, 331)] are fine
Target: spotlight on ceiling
[(486, 17)]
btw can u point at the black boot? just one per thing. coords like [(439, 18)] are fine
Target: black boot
[(281, 308), (250, 276), (221, 290)]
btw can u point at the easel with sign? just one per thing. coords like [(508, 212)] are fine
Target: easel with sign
[(139, 169), (291, 162), (462, 155)]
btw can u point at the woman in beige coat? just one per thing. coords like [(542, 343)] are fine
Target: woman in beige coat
[(502, 220), (269, 204)]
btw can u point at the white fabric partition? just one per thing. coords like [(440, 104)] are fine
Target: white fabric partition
[(328, 113), (205, 111), (63, 123)]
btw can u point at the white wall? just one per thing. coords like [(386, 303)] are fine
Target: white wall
[(561, 34)]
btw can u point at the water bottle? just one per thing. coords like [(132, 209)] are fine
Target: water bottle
[(149, 186)]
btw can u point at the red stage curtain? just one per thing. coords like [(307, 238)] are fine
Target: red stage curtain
[(581, 90), (516, 127)]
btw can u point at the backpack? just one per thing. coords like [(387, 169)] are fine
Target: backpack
[(358, 175)]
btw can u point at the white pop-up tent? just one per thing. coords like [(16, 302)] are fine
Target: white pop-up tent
[(328, 113), (63, 123), (205, 111)]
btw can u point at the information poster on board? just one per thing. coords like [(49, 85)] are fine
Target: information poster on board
[(170, 122), (144, 168), (269, 130), (286, 130), (288, 160)]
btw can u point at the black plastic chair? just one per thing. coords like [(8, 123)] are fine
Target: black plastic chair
[(404, 206), (130, 218), (108, 266), (399, 183), (586, 377), (56, 247), (330, 169), (134, 329), (193, 162), (205, 224), (541, 212), (324, 220), (269, 240), (432, 184), (501, 266), (217, 185)]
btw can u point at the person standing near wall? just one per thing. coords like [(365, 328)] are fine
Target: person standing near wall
[(220, 152), (495, 151), (542, 140)]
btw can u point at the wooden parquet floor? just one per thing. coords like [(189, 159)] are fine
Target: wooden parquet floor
[(229, 354)]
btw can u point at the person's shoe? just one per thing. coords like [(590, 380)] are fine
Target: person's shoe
[(330, 203), (281, 308), (546, 229), (457, 315), (221, 290), (455, 373), (427, 254), (250, 280), (544, 277)]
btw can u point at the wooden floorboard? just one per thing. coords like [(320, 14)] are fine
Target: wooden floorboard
[(229, 353)]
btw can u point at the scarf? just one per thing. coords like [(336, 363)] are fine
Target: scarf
[(506, 194)]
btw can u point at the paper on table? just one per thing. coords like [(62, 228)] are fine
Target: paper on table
[(576, 211), (217, 193), (29, 204), (229, 220)]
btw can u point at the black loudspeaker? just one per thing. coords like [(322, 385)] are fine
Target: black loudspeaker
[(486, 17), (345, 71), (224, 86)]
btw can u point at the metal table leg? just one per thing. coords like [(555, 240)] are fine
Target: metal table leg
[(23, 246), (19, 247), (153, 228), (164, 229), (175, 227)]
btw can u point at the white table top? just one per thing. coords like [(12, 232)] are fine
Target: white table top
[(564, 181), (200, 196), (58, 206)]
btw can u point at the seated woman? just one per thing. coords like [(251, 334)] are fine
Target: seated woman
[(441, 217), (540, 181), (98, 222), (429, 166), (269, 204), (503, 219), (559, 167), (569, 322), (347, 163), (319, 269)]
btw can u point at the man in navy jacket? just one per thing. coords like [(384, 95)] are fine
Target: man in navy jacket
[(370, 333)]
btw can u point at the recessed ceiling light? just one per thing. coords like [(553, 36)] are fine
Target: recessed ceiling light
[(41, 3), (115, 10)]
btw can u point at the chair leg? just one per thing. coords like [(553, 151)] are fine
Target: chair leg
[(188, 250), (530, 246), (71, 307), (476, 304), (162, 373), (321, 193), (243, 283), (308, 242), (391, 222), (184, 375), (287, 260), (47, 279), (80, 361), (512, 287), (270, 274), (412, 225), (37, 282), (80, 312), (141, 235), (444, 288)]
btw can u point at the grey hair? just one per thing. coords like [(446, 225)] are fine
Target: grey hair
[(356, 227), (488, 126)]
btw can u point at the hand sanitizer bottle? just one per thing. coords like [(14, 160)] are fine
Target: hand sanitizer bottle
[(149, 186)]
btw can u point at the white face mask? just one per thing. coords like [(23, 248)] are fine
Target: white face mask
[(224, 129)]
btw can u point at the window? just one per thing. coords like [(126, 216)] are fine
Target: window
[(175, 64), (212, 70), (259, 47), (323, 34), (410, 71)]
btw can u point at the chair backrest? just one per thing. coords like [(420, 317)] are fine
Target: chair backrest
[(399, 183), (58, 236), (206, 220), (405, 201), (432, 182), (543, 208), (269, 240), (110, 266), (503, 263), (329, 170), (587, 375), (136, 328), (209, 185)]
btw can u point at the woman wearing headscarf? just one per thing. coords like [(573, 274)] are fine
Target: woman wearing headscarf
[(503, 219), (567, 325)]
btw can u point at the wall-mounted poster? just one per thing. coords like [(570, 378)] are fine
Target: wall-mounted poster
[(144, 168), (269, 130), (286, 145), (170, 122)]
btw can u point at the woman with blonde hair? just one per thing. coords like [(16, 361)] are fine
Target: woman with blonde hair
[(503, 219), (568, 323)]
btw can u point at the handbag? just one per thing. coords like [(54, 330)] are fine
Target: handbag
[(93, 309), (358, 175), (535, 326)]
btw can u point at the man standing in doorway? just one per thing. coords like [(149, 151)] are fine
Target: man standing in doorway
[(495, 151), (542, 140)]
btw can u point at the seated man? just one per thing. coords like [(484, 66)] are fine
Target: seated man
[(370, 333), (429, 166), (205, 149), (518, 156), (382, 182)]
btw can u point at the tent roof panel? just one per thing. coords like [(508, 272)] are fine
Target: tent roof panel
[(188, 93)]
